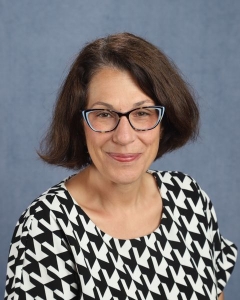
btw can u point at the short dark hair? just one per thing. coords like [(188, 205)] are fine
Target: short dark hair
[(156, 75)]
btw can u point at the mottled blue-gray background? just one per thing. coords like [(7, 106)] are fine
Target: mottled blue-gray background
[(38, 42)]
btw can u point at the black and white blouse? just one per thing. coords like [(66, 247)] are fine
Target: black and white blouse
[(57, 252)]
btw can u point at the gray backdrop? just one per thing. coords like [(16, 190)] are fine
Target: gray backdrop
[(39, 40)]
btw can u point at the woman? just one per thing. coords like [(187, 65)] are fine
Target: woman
[(117, 230)]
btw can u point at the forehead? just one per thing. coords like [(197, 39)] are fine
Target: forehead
[(116, 88)]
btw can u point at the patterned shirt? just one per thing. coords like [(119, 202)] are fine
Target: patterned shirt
[(57, 252)]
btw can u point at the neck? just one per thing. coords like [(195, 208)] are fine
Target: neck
[(112, 195)]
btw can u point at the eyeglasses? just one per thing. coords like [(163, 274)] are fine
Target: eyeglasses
[(106, 120)]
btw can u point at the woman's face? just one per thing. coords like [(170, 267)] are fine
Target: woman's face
[(123, 155)]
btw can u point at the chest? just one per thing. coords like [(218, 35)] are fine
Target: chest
[(129, 225), (168, 263)]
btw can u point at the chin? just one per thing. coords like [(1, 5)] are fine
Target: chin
[(124, 176)]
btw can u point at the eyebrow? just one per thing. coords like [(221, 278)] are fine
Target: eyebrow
[(109, 106)]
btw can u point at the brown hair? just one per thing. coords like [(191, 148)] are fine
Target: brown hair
[(156, 75)]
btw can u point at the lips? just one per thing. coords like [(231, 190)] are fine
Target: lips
[(127, 157)]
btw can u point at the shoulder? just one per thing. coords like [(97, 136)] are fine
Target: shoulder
[(42, 234), (52, 212), (50, 205), (176, 179), (187, 204), (181, 187)]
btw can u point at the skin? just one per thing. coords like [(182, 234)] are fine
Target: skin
[(221, 297), (115, 191), (114, 89)]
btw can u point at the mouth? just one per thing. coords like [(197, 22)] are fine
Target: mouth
[(127, 157)]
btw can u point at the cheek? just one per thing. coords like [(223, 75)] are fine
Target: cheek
[(154, 141), (91, 141), (95, 140), (89, 137), (152, 137)]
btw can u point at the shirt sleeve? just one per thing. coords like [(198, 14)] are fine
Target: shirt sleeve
[(40, 265), (224, 251)]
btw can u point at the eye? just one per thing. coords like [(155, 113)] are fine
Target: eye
[(142, 113), (105, 114)]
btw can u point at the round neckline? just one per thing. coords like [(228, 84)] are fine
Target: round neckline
[(107, 237)]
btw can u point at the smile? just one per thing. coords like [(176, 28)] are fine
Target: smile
[(128, 157)]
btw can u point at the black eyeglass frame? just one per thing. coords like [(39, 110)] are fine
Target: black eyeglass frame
[(85, 113)]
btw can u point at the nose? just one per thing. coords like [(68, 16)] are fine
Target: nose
[(124, 134)]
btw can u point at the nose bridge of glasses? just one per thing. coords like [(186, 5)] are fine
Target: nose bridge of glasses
[(126, 114)]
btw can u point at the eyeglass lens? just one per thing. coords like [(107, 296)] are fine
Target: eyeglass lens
[(140, 119)]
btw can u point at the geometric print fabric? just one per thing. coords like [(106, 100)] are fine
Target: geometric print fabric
[(57, 252)]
